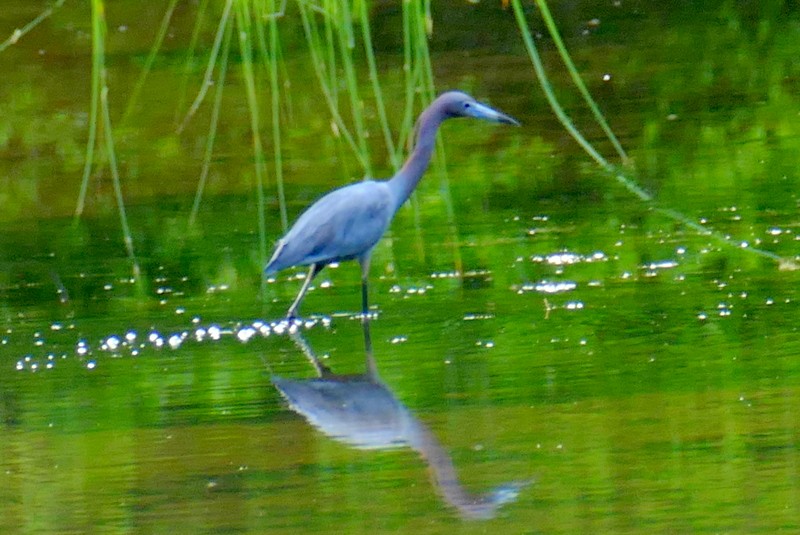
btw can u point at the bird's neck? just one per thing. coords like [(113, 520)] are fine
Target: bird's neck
[(407, 178)]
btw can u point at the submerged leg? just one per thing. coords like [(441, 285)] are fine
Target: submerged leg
[(312, 272), (364, 286), (372, 367)]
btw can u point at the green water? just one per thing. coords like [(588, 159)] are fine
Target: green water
[(542, 324)]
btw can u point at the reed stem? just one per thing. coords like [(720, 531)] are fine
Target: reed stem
[(148, 64), (212, 60), (112, 161), (213, 123), (577, 80), (244, 25), (18, 33), (98, 66)]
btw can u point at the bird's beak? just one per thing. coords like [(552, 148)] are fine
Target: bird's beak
[(482, 111)]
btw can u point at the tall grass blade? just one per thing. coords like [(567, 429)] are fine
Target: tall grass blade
[(98, 66), (269, 56), (112, 160), (19, 33), (187, 64), (405, 138), (212, 60), (312, 37), (214, 122), (544, 82), (148, 64), (344, 32), (244, 26), (275, 93), (424, 30), (394, 155), (330, 48), (541, 75), (621, 178), (577, 80)]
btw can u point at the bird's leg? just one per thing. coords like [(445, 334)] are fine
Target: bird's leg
[(364, 300), (312, 272), (365, 287), (372, 367)]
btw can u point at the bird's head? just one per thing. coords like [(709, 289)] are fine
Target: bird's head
[(458, 104)]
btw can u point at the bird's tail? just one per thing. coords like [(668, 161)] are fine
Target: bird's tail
[(273, 266)]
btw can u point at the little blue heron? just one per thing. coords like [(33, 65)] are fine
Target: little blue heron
[(346, 223)]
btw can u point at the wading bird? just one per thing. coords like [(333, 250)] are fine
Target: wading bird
[(346, 223)]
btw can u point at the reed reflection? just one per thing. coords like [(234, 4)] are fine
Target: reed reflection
[(362, 412)]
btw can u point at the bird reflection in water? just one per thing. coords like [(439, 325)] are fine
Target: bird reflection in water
[(361, 411)]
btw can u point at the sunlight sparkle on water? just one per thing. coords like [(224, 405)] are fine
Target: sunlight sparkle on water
[(176, 340), (411, 290), (220, 288), (547, 287), (82, 348), (215, 332), (245, 334), (111, 343), (155, 339), (281, 327), (121, 345), (262, 328), (446, 275), (567, 258), (560, 259), (473, 317), (662, 264)]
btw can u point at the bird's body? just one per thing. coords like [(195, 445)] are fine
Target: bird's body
[(323, 234), (347, 223)]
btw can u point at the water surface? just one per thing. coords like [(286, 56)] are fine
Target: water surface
[(540, 322)]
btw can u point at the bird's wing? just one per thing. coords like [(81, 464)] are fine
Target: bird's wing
[(341, 225)]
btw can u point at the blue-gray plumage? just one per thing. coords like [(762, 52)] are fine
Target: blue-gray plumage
[(348, 222)]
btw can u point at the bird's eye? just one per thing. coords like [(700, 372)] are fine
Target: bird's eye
[(466, 105)]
